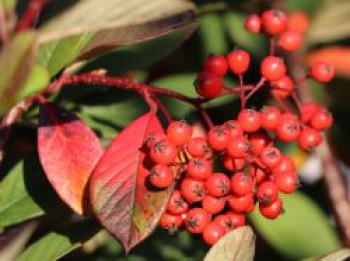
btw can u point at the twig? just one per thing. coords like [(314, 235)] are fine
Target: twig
[(34, 9), (205, 116), (162, 108)]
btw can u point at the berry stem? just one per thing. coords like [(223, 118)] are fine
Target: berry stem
[(205, 116), (255, 89), (272, 46), (33, 10), (241, 85), (297, 100), (162, 108), (282, 103)]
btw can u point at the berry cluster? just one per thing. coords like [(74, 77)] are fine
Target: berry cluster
[(250, 169)]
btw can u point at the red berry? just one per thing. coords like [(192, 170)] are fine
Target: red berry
[(258, 173), (274, 21), (286, 182), (192, 190), (198, 147), (154, 137), (218, 184), (267, 192), (321, 120), (250, 120), (212, 233), (238, 220), (199, 168), (238, 148), (161, 176), (240, 204), (177, 205), (218, 138), (270, 116), (286, 165), (290, 40), (216, 64), (212, 204), (197, 219), (233, 128), (273, 68), (298, 21), (322, 72), (238, 61), (282, 87), (241, 184), (307, 110), (309, 139), (232, 164), (253, 24), (170, 222), (225, 222), (179, 132), (163, 152), (258, 141), (270, 157), (288, 129), (208, 85), (273, 210)]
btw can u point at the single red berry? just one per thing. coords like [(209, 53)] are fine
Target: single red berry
[(198, 147), (238, 148), (322, 72), (241, 184), (213, 205), (258, 174), (161, 176), (192, 190), (216, 64), (233, 128), (307, 110), (286, 182), (218, 184), (267, 192), (321, 120), (273, 68), (250, 208), (163, 152), (212, 233), (238, 220), (197, 219), (154, 137), (238, 61), (271, 211), (253, 24), (309, 139), (250, 120), (290, 40), (282, 87), (208, 85), (225, 222), (288, 129), (298, 21), (270, 157), (274, 21), (199, 168), (240, 204), (258, 141), (177, 205), (286, 165), (170, 222), (270, 116), (232, 164), (218, 138), (179, 132)]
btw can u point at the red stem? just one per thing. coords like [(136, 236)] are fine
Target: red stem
[(282, 103), (255, 89), (297, 100), (205, 116), (241, 84), (162, 108), (34, 9)]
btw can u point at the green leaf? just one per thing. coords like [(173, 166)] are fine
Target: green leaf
[(89, 28), (38, 79), (25, 193), (238, 245), (302, 231), (56, 244), (16, 62), (212, 35), (309, 6), (234, 22)]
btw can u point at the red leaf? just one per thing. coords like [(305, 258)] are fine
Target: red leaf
[(68, 150), (124, 205)]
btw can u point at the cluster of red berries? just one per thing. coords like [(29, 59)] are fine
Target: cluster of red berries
[(254, 171)]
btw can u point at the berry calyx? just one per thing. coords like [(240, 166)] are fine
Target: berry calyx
[(161, 176), (267, 192), (192, 190), (199, 168), (322, 72), (241, 184), (218, 138), (218, 185), (177, 205), (197, 219), (163, 152)]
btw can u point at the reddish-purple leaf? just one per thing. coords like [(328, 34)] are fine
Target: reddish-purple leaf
[(68, 150), (120, 198)]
